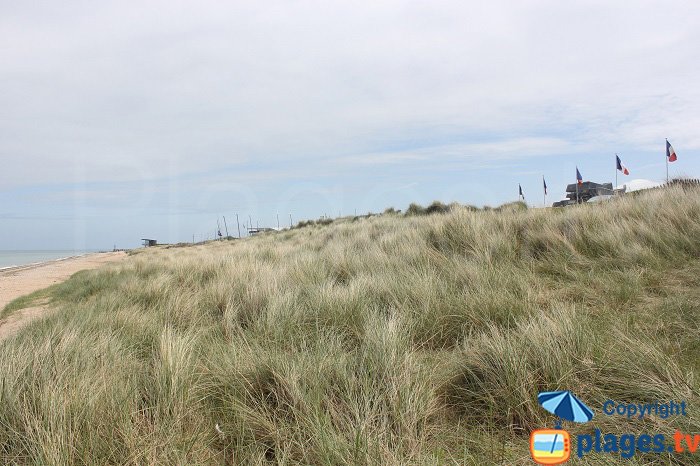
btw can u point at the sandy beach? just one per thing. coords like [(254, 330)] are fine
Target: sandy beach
[(19, 281)]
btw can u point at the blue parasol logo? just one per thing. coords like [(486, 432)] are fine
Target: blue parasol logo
[(565, 405)]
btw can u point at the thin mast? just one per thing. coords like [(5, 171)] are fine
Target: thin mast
[(666, 156), (544, 195)]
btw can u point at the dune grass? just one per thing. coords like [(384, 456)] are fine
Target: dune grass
[(417, 339)]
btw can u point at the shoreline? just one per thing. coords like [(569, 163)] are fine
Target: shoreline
[(22, 280), (32, 265)]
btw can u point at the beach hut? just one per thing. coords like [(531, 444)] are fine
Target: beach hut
[(149, 242)]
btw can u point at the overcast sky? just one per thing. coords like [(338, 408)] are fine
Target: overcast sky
[(123, 120)]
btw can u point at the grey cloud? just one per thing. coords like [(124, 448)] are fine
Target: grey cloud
[(135, 92), (123, 89)]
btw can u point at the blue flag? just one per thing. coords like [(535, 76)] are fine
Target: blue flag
[(620, 166)]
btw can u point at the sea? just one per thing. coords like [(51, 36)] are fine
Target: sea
[(15, 258)]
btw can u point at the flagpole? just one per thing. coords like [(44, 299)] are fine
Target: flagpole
[(615, 187), (544, 195), (666, 155)]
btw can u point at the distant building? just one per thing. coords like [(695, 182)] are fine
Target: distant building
[(637, 185), (587, 190), (255, 231), (149, 242), (563, 203)]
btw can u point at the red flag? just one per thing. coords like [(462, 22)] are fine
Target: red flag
[(670, 153)]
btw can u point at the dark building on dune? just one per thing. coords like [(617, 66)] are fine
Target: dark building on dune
[(584, 192)]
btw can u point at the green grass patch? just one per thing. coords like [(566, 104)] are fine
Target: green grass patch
[(23, 302)]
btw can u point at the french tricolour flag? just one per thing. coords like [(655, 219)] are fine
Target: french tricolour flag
[(621, 167), (579, 178), (670, 153)]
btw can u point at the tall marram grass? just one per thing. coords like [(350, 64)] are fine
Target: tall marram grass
[(374, 340)]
